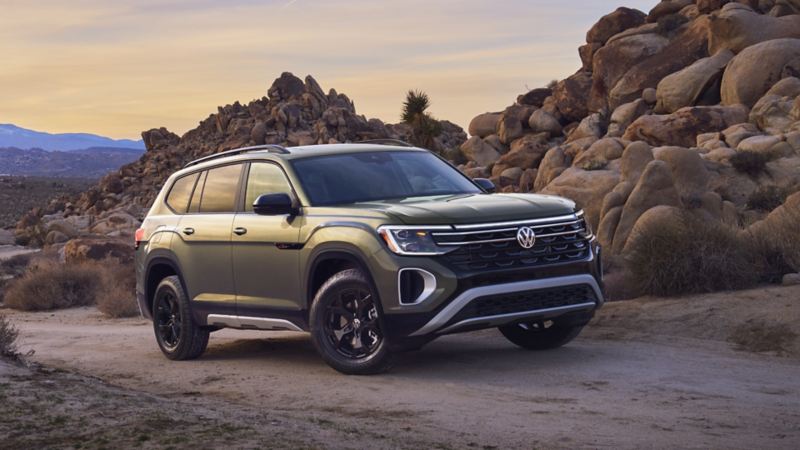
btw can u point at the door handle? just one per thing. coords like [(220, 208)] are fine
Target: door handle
[(240, 230), (188, 231)]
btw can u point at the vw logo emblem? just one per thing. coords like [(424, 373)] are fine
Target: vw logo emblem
[(526, 237)]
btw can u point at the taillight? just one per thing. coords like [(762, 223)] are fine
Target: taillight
[(138, 238)]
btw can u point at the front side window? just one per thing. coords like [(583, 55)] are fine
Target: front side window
[(377, 176), (178, 198), (264, 178), (219, 190)]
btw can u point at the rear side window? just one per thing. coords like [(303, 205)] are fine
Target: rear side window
[(181, 192), (219, 190), (264, 178)]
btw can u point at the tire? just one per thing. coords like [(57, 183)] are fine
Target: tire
[(177, 334), (542, 335), (346, 325)]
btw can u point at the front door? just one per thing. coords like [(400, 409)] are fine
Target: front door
[(265, 250)]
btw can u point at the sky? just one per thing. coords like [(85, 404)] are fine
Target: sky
[(119, 67)]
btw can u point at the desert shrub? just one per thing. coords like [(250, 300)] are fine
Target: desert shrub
[(690, 255), (50, 285), (766, 198), (117, 298), (8, 338), (750, 163)]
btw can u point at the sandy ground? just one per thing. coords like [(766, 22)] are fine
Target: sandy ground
[(646, 373)]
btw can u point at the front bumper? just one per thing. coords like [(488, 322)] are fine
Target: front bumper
[(485, 299)]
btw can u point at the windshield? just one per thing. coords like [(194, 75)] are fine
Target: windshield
[(375, 176)]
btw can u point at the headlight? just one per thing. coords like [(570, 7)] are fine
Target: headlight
[(587, 233), (410, 241)]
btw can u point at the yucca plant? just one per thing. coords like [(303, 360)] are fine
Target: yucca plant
[(424, 128)]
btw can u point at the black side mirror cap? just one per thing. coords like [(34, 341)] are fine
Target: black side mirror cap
[(274, 205), (486, 185)]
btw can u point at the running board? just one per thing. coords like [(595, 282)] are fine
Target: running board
[(251, 323)]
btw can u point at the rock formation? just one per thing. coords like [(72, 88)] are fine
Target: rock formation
[(663, 116), (294, 112)]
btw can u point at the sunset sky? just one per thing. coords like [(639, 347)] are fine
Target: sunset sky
[(119, 67)]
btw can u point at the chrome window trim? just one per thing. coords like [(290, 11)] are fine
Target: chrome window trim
[(429, 286), (466, 297)]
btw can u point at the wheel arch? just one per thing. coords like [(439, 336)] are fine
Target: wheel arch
[(159, 267), (327, 261)]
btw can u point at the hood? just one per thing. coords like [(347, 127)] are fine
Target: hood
[(475, 208)]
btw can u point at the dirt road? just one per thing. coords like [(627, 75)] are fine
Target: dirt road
[(610, 388)]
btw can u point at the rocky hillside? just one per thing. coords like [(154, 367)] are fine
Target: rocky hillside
[(694, 106), (92, 163), (294, 112)]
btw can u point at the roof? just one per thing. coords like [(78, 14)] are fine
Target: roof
[(289, 153)]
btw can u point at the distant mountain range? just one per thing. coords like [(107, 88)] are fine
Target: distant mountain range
[(22, 138), (92, 162)]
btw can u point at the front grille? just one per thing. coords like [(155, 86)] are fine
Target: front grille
[(497, 247), (523, 301)]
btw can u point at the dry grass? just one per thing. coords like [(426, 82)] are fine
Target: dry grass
[(760, 336), (47, 285), (767, 198), (690, 255), (751, 163), (118, 296), (8, 338)]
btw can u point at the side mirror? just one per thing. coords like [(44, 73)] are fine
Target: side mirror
[(274, 205), (486, 185)]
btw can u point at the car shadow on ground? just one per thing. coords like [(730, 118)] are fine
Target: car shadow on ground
[(480, 352)]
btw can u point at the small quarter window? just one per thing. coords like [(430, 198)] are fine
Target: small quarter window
[(178, 198)]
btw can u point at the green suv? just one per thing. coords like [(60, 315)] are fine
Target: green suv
[(373, 248)]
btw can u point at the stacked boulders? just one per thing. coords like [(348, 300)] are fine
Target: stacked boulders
[(662, 118), (294, 112)]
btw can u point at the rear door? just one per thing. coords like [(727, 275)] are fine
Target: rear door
[(266, 250), (204, 247)]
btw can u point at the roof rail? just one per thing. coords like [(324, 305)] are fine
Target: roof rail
[(272, 148), (397, 142)]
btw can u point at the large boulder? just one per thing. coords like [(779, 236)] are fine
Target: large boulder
[(687, 168), (571, 95), (682, 127), (555, 161), (757, 68), (689, 45), (513, 122), (543, 122), (660, 215), (624, 115), (773, 112), (655, 187), (666, 8), (586, 187), (96, 249), (535, 97), (525, 153), (616, 22), (612, 61), (736, 27), (475, 149), (484, 124), (696, 84)]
